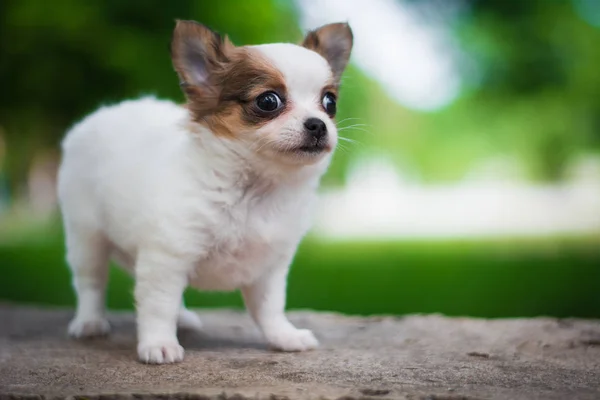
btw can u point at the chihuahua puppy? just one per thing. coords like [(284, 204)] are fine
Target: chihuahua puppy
[(216, 194)]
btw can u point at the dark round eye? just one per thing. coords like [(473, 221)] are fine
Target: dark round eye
[(329, 103), (268, 101)]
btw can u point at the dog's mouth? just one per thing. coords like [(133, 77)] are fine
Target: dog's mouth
[(306, 149), (313, 147)]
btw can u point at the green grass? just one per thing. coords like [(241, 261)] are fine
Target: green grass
[(514, 278)]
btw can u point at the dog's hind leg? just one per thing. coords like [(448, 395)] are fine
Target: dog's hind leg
[(87, 255), (188, 319)]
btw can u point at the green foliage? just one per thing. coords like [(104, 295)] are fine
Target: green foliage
[(538, 79)]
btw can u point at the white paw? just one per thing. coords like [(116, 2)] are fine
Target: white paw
[(160, 352), (293, 340), (88, 327), (189, 320)]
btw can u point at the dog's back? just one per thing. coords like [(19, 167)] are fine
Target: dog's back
[(108, 157)]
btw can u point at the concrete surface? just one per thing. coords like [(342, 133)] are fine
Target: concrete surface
[(416, 357)]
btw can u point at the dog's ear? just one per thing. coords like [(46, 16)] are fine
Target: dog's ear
[(334, 43), (198, 53)]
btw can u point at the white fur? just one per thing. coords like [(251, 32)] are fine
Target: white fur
[(177, 205)]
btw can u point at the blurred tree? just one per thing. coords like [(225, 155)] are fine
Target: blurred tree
[(538, 63), (531, 87), (62, 59)]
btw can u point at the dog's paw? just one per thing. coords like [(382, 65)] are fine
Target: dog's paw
[(160, 352), (189, 320), (293, 340), (88, 327)]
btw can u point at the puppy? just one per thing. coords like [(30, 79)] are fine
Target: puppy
[(216, 194)]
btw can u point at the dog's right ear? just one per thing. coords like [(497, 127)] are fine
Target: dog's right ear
[(198, 53), (199, 56)]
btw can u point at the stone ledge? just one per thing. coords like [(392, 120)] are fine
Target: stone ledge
[(414, 357)]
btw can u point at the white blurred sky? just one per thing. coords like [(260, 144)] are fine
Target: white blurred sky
[(413, 61)]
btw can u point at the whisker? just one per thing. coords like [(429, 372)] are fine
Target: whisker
[(354, 128), (346, 119), (348, 140), (342, 148)]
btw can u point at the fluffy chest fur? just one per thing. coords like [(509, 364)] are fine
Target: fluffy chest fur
[(256, 233)]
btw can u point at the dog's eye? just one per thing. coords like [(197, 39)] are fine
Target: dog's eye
[(268, 101), (329, 103)]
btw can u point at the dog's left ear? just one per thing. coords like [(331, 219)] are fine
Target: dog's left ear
[(334, 43)]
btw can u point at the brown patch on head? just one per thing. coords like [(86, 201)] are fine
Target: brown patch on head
[(334, 43), (248, 76), (221, 81)]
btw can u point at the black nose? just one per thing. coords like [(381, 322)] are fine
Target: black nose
[(315, 128)]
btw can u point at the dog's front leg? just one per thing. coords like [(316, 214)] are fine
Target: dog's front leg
[(265, 300), (160, 282)]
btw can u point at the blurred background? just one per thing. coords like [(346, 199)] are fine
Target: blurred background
[(469, 183)]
